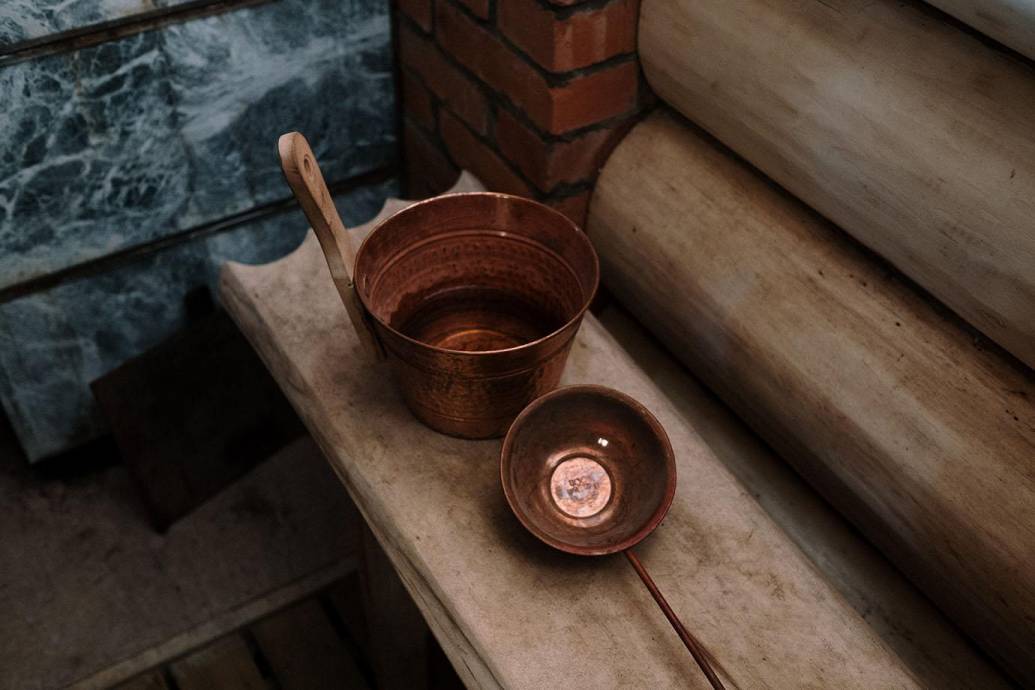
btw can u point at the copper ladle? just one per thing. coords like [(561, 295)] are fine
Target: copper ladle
[(590, 471)]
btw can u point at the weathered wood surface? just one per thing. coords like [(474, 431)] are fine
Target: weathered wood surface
[(1011, 22), (912, 135), (886, 403), (508, 610)]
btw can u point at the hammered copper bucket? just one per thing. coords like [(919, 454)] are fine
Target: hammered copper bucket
[(474, 299)]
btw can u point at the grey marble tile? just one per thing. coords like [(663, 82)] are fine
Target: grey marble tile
[(122, 143), (321, 67), (52, 344), (90, 157)]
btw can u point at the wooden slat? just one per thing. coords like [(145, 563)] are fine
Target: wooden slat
[(912, 135), (346, 596), (226, 664), (919, 435), (398, 634), (305, 652), (148, 681)]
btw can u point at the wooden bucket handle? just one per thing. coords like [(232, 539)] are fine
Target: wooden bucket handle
[(306, 181)]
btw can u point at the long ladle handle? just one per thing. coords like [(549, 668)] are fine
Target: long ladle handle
[(306, 181), (697, 651)]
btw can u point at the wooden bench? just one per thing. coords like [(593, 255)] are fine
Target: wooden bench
[(784, 595)]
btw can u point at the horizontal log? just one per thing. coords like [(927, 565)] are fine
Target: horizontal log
[(1011, 22), (883, 401), (914, 136)]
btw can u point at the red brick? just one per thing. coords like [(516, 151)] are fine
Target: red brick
[(594, 97), (579, 40), (460, 94), (575, 207), (478, 7), (417, 10), (488, 58), (416, 101), (548, 164), (471, 153), (579, 102), (428, 170)]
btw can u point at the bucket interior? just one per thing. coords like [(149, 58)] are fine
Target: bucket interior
[(487, 287)]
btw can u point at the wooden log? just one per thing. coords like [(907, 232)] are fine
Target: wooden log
[(918, 434), (912, 135), (511, 612), (1011, 22)]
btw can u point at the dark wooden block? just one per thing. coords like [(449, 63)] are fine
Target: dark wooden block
[(346, 599), (193, 414), (305, 652), (226, 664)]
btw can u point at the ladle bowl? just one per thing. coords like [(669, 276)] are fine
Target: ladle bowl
[(588, 470)]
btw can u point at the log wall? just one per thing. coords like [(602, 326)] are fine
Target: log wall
[(914, 136)]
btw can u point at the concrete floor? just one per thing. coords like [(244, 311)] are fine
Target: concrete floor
[(91, 595)]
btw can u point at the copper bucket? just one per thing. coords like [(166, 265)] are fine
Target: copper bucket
[(474, 299)]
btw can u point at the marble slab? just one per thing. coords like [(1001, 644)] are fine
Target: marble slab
[(122, 143), (53, 343)]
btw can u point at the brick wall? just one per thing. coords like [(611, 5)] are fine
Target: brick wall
[(530, 95)]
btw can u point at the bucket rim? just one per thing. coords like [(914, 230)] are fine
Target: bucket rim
[(511, 198)]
